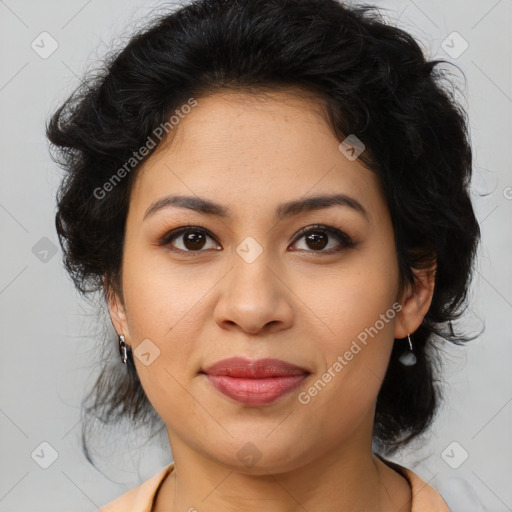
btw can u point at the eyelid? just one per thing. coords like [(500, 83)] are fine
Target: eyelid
[(320, 227), (341, 236), (168, 236)]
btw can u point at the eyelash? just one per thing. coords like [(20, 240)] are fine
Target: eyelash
[(345, 241)]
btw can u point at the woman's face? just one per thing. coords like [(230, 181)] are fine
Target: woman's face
[(247, 284)]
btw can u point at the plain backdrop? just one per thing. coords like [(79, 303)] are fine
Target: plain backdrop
[(48, 334)]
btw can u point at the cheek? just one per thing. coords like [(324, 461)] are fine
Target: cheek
[(352, 299), (163, 317), (355, 361), (360, 309), (162, 299)]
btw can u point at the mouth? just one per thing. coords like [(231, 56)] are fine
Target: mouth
[(254, 382)]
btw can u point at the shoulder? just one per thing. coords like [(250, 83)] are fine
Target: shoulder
[(424, 497), (139, 499), (450, 495)]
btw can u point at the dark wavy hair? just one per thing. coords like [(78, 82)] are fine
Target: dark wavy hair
[(373, 80)]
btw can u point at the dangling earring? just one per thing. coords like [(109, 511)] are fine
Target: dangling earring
[(408, 358), (124, 348)]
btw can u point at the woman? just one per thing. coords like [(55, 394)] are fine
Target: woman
[(272, 197)]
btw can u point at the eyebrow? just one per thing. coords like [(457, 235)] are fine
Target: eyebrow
[(284, 210)]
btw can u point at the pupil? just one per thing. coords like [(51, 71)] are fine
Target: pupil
[(317, 239), (194, 240)]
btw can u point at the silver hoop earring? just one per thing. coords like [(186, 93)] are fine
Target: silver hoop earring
[(408, 358), (124, 348)]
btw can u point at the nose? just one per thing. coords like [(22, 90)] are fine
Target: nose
[(254, 299)]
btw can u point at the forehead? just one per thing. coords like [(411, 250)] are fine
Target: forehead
[(248, 150)]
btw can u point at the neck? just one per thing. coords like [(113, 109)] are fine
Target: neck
[(343, 479)]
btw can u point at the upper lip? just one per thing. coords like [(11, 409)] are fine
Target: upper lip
[(254, 368)]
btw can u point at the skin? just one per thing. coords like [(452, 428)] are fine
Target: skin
[(294, 302)]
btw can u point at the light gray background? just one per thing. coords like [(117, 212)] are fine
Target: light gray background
[(47, 332)]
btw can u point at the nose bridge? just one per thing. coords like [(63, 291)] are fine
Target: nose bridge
[(252, 273), (254, 296)]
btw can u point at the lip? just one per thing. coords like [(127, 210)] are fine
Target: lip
[(254, 382)]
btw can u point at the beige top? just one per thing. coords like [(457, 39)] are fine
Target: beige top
[(142, 498)]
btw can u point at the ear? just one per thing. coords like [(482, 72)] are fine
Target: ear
[(116, 309), (415, 301)]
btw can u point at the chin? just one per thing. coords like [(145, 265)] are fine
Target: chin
[(259, 455)]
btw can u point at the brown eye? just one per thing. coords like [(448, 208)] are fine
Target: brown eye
[(317, 241), (194, 240), (318, 237), (188, 239)]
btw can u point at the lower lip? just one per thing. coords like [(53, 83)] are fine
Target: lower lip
[(255, 391)]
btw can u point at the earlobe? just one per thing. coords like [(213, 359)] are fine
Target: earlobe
[(415, 301)]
